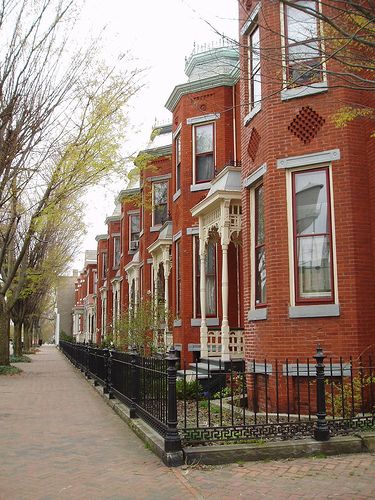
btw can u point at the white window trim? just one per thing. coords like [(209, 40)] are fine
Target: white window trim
[(302, 90), (199, 184), (156, 227), (131, 214), (177, 131), (198, 120), (303, 309), (117, 237)]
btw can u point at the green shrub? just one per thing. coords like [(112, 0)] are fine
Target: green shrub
[(188, 390), (19, 359), (9, 370)]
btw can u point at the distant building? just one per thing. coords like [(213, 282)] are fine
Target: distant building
[(64, 303)]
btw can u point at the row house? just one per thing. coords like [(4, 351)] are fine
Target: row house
[(84, 309), (252, 223)]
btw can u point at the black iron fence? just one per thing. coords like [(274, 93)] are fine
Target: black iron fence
[(239, 401)]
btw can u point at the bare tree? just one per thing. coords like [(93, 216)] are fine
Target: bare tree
[(61, 129)]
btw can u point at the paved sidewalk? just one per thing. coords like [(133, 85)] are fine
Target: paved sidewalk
[(58, 439)]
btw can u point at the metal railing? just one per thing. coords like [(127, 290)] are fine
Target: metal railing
[(237, 401)]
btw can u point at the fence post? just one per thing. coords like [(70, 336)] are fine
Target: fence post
[(321, 430), (107, 369), (134, 381), (172, 438), (87, 361)]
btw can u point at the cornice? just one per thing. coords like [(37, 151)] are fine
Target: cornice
[(199, 85)]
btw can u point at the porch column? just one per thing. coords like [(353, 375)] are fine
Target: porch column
[(203, 329), (225, 353), (167, 269)]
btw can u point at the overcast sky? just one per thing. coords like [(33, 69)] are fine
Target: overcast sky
[(159, 35)]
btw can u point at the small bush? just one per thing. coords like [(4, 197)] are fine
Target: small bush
[(188, 390), (20, 359), (9, 370)]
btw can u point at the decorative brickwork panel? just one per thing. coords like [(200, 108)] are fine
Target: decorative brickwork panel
[(306, 124), (253, 145)]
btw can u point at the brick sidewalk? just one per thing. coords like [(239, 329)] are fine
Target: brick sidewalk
[(59, 440)]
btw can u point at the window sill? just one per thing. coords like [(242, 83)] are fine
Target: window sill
[(176, 195), (304, 90), (209, 321), (252, 113), (155, 229), (177, 322), (200, 187), (314, 311), (257, 314)]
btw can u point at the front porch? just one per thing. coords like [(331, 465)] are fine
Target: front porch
[(220, 218)]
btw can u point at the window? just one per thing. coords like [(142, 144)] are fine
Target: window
[(204, 152), (260, 255), (104, 265), (134, 226), (116, 252), (160, 200), (254, 69), (178, 280), (95, 282), (178, 162), (210, 280), (312, 236), (302, 43)]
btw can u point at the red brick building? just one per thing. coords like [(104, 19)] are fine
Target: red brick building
[(307, 202), (253, 222)]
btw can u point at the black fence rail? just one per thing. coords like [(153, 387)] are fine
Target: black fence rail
[(241, 401)]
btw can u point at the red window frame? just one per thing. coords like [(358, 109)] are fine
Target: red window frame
[(315, 300)]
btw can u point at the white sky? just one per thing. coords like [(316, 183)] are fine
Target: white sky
[(159, 35)]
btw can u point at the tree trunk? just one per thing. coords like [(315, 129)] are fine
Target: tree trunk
[(27, 332), (17, 338), (4, 332)]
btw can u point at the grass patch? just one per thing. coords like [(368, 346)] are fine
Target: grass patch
[(20, 359), (9, 370)]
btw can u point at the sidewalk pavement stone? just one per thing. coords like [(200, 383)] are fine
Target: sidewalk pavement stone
[(58, 440)]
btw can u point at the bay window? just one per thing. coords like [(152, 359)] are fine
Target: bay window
[(159, 202), (302, 43), (204, 152), (312, 228)]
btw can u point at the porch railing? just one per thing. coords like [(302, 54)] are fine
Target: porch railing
[(236, 401), (236, 342)]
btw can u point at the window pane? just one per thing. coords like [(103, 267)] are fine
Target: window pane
[(210, 296), (259, 212), (160, 193), (204, 138), (205, 167), (178, 177), (301, 25), (314, 265), (260, 285), (255, 50), (257, 88), (178, 150), (312, 215), (160, 214)]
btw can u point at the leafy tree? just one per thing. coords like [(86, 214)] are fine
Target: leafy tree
[(61, 128)]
